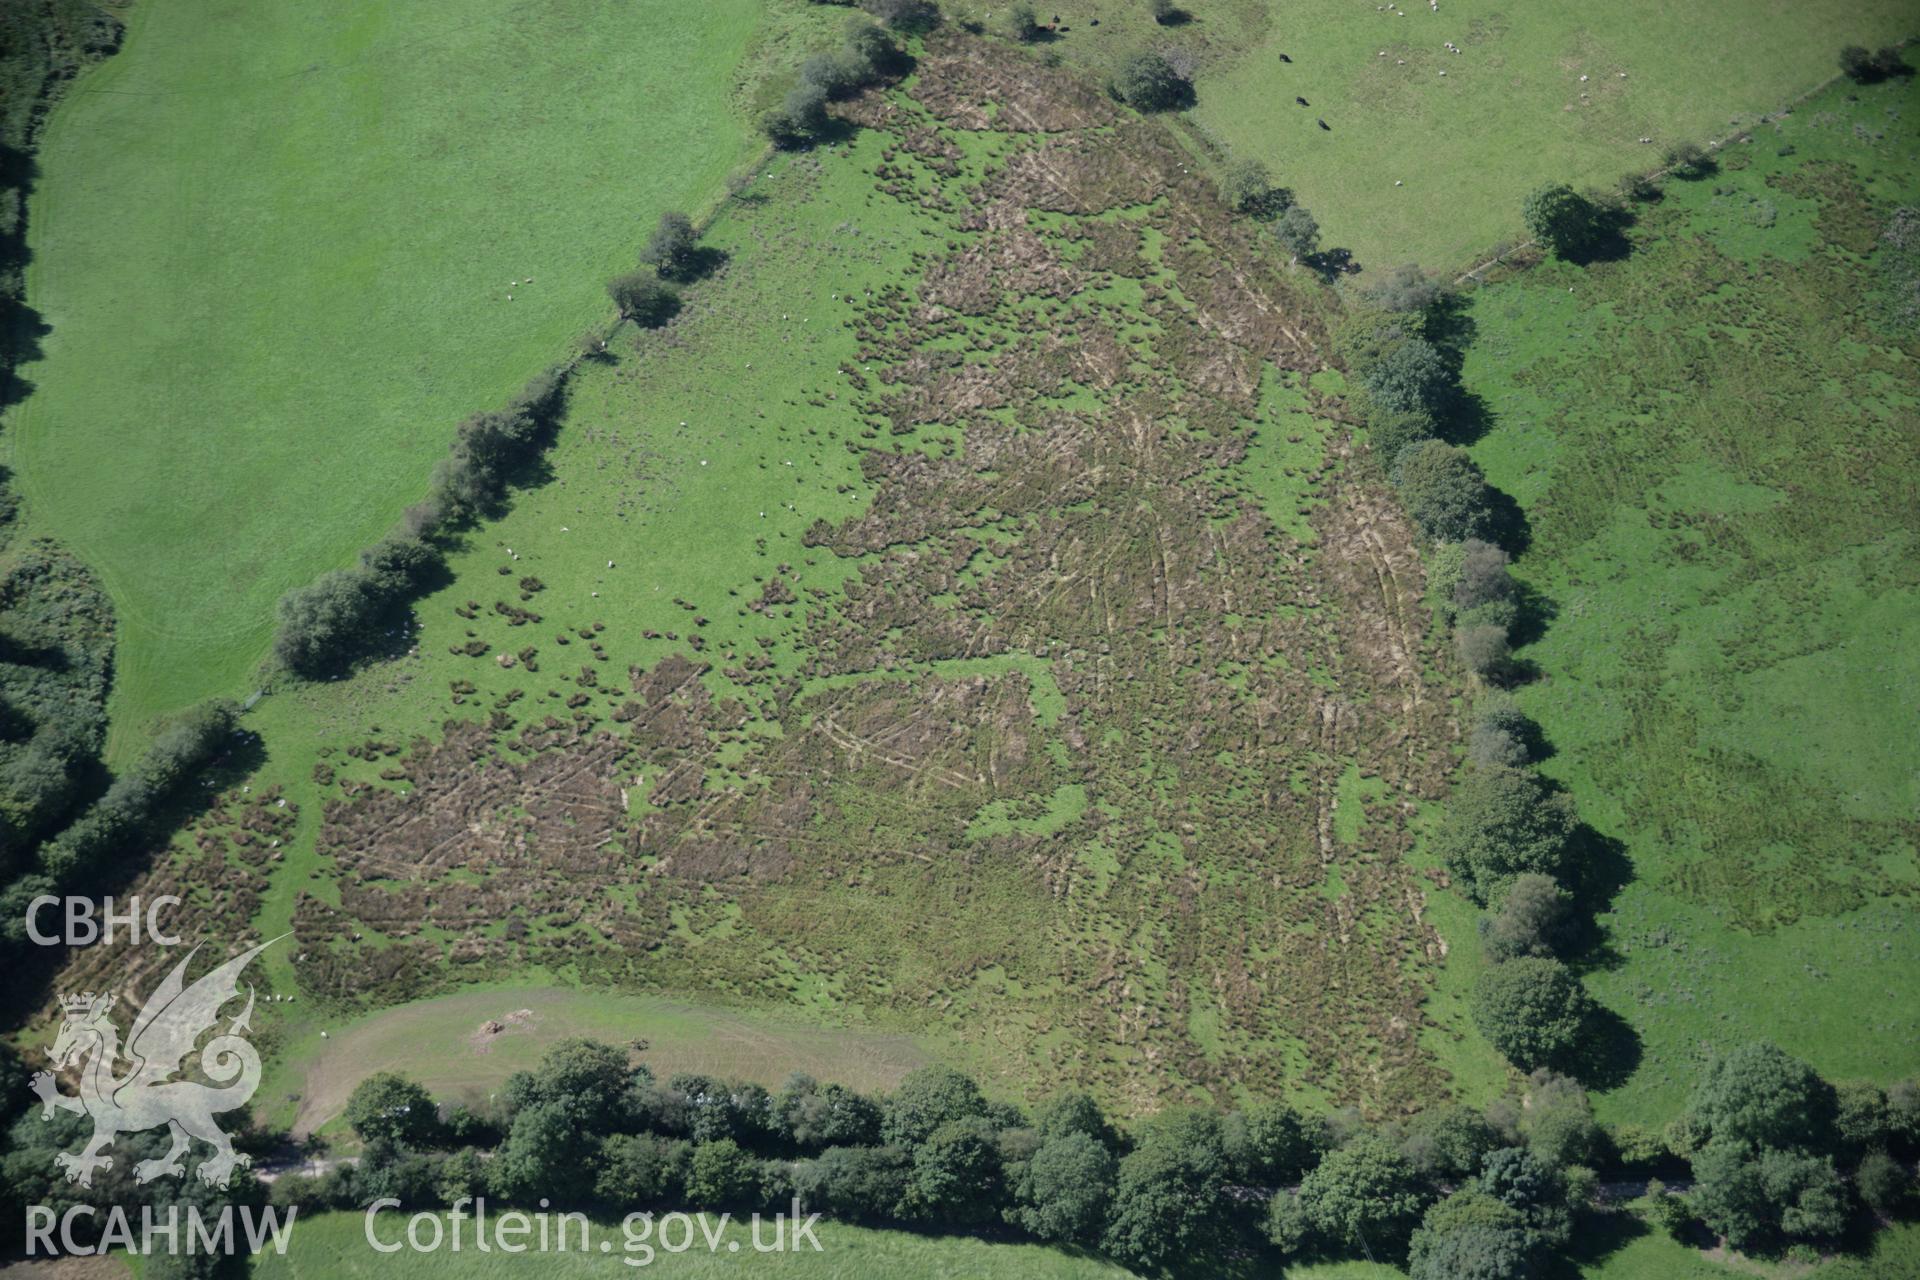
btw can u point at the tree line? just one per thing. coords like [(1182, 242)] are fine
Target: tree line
[(1781, 1161), (96, 851), (1456, 1191), (347, 614), (332, 622), (869, 53)]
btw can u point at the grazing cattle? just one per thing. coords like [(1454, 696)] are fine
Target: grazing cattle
[(1301, 101), (1285, 58), (1326, 126)]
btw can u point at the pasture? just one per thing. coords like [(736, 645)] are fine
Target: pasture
[(1715, 441), (463, 1046), (1469, 134), (276, 245), (767, 524), (334, 1247)]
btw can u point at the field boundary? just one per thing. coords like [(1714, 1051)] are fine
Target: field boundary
[(1713, 144)]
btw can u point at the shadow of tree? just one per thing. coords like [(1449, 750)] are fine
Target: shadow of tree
[(1507, 523), (1597, 1236), (1607, 239), (702, 262), (1608, 1053), (1536, 612)]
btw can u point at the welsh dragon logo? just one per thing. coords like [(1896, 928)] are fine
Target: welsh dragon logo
[(147, 1095)]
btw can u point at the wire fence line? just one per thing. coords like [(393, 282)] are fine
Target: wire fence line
[(1713, 144)]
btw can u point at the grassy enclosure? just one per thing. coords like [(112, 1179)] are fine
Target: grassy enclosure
[(464, 1045), (275, 247), (1471, 133), (758, 704), (969, 621), (334, 1247), (1715, 439)]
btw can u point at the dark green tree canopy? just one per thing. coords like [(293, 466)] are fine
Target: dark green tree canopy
[(1408, 376), (644, 298), (1248, 188), (1449, 1142), (1064, 1188), (817, 1116), (956, 1173), (1758, 1095), (1501, 823), (1532, 919), (926, 1099), (1365, 1194), (1531, 1009), (388, 1106), (1298, 230), (1149, 82), (722, 1175), (324, 622), (674, 248), (637, 1170), (1076, 1112), (1271, 1143), (858, 1184), (1443, 491), (1562, 219), (1166, 1192)]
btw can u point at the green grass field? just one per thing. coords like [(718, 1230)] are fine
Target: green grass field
[(697, 463), (1469, 134), (1715, 441), (1644, 1254), (334, 1247), (441, 1044), (275, 248), (285, 303)]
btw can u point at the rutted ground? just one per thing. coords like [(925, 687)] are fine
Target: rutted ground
[(1038, 746)]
